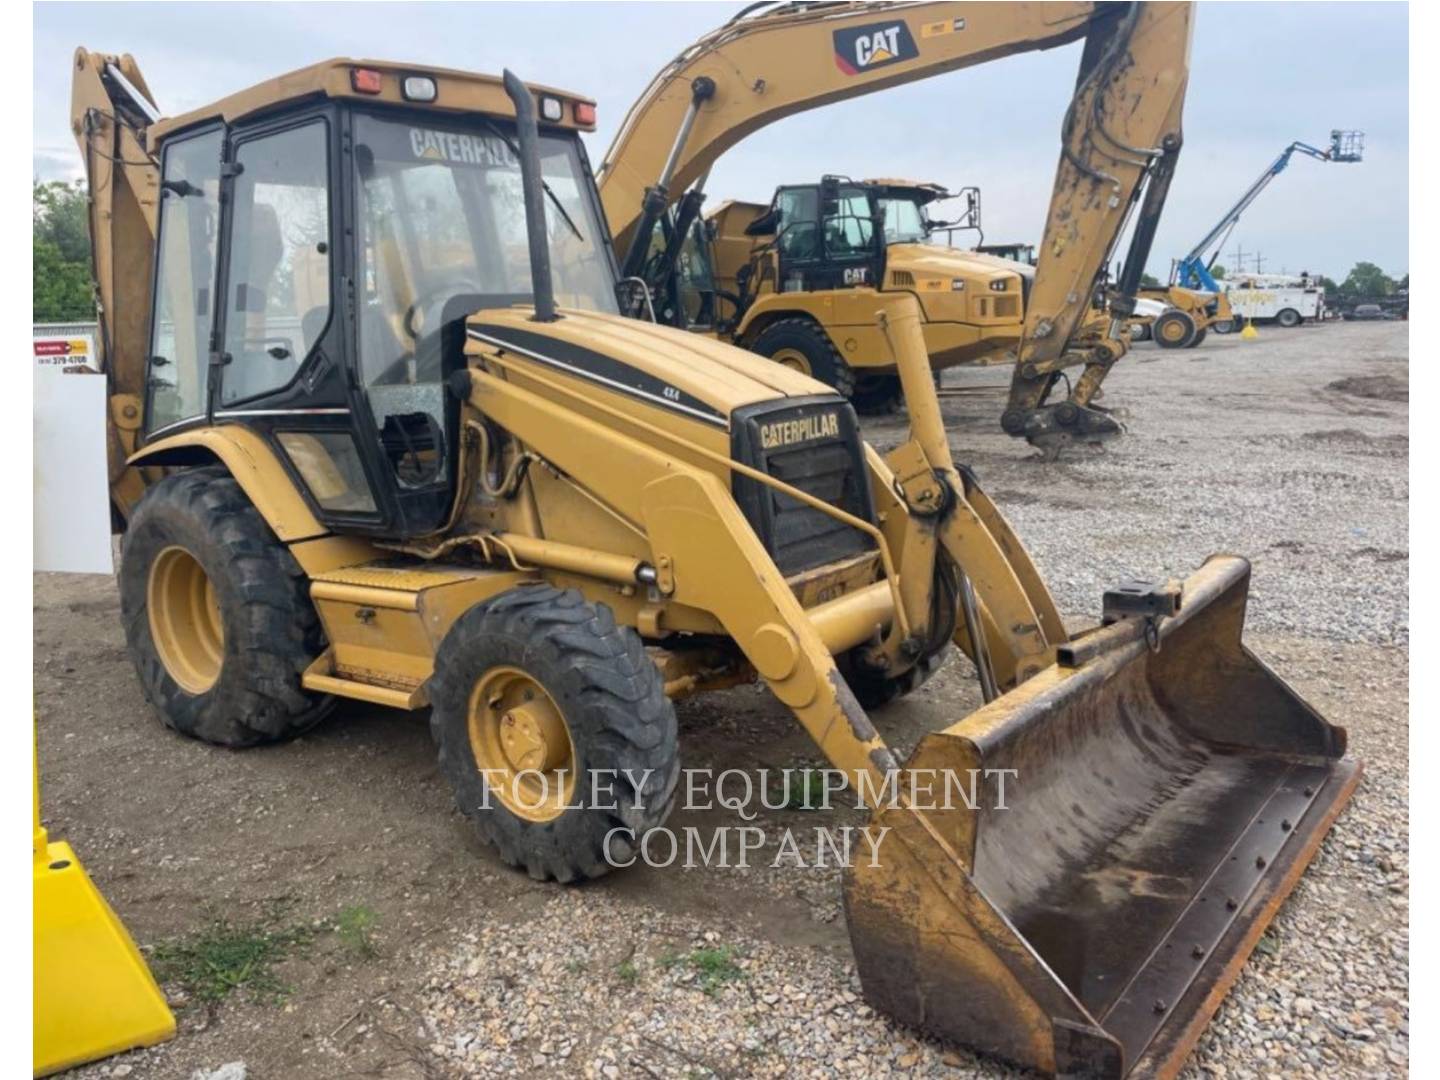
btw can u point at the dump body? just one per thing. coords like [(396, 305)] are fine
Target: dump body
[(1162, 800)]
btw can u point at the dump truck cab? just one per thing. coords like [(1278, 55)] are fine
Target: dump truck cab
[(321, 241), (823, 251)]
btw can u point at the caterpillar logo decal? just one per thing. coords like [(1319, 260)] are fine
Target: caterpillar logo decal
[(865, 48), (802, 429)]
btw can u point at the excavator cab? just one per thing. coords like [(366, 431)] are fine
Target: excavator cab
[(315, 267)]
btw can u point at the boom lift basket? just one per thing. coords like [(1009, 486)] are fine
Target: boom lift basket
[(1086, 919)]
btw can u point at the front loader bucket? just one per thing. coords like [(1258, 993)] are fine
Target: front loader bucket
[(1087, 919)]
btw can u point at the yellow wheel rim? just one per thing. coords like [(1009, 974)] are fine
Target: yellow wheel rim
[(793, 359), (1172, 330), (185, 620), (522, 744)]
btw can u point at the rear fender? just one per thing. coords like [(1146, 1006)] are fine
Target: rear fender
[(254, 465)]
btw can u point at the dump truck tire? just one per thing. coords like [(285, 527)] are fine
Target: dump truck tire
[(803, 345), (554, 731), (877, 395), (218, 615)]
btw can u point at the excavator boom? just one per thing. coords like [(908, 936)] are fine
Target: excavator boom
[(1120, 137)]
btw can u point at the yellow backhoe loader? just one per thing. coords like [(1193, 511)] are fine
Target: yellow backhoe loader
[(352, 464), (819, 264), (1189, 314)]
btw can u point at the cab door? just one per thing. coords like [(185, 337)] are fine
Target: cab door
[(281, 341)]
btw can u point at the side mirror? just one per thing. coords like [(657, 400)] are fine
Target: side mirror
[(829, 191), (765, 224)]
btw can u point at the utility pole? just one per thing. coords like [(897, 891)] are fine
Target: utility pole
[(1259, 262), (1237, 258)]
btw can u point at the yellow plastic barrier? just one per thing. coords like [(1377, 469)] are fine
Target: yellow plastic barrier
[(94, 996)]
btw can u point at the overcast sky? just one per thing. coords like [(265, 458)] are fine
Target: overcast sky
[(1261, 76)]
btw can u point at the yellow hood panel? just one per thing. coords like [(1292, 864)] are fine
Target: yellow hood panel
[(676, 367)]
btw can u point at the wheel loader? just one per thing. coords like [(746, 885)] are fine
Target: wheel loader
[(814, 285), (381, 434)]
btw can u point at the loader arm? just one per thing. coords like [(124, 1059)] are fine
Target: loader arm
[(1121, 130), (111, 109)]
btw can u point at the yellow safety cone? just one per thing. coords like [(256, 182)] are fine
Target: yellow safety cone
[(94, 996), (1249, 333)]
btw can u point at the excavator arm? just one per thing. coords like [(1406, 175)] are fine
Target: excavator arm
[(1122, 130), (111, 111)]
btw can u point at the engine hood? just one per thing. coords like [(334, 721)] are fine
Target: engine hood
[(672, 369), (931, 261)]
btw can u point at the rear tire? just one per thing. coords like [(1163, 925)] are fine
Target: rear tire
[(1139, 331), (1288, 318), (1198, 338), (803, 345), (217, 615), (543, 689), (1174, 329), (1227, 326)]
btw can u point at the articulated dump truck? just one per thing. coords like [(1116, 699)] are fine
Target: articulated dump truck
[(379, 434)]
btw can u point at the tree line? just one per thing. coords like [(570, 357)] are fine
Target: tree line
[(62, 290)]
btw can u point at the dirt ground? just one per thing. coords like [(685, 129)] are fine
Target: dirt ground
[(1292, 450)]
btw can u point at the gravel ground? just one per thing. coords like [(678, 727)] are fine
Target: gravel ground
[(1262, 448)]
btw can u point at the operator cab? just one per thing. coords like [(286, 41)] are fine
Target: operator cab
[(322, 239), (835, 234)]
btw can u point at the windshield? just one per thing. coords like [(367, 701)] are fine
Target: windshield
[(442, 220), (904, 221)]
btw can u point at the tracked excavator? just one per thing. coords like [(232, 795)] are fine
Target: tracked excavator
[(815, 281), (380, 432)]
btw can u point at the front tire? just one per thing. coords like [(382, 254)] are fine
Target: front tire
[(1174, 329), (1198, 338), (217, 615), (554, 731)]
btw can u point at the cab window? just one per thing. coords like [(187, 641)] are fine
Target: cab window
[(848, 228), (177, 379), (799, 209), (278, 280)]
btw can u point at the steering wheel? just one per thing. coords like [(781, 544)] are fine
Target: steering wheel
[(415, 325)]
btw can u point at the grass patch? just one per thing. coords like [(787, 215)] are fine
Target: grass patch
[(804, 790), (355, 927), (223, 957), (713, 967), (628, 973)]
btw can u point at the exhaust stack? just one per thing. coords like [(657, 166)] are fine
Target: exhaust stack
[(528, 134)]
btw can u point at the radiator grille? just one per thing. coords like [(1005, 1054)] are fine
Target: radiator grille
[(830, 468)]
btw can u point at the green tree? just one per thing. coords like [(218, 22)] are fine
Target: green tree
[(1366, 280), (1217, 272), (1328, 284), (61, 253), (1149, 281)]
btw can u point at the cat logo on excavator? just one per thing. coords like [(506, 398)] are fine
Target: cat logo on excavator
[(864, 48)]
